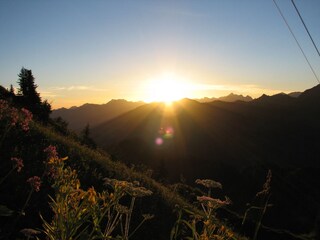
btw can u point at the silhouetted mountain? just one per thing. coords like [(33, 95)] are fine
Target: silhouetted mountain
[(94, 114), (311, 95), (294, 94), (235, 143), (277, 99), (230, 98)]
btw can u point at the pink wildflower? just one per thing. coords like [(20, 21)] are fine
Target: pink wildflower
[(3, 107), (27, 119), (14, 116), (213, 202), (51, 151), (208, 183), (51, 172), (18, 163), (35, 183)]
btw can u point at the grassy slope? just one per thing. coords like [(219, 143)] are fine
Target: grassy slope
[(77, 152), (116, 168)]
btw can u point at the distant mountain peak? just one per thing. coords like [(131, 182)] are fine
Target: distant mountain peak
[(295, 94), (232, 97), (94, 114), (118, 100), (279, 99)]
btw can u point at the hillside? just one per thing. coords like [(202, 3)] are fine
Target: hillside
[(234, 142), (93, 114)]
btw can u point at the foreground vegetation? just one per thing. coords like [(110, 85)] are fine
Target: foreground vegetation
[(86, 195)]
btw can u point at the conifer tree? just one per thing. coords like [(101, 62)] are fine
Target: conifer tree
[(28, 88), (12, 90), (85, 137), (29, 98)]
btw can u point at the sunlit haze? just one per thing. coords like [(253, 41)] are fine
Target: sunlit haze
[(94, 51), (167, 88)]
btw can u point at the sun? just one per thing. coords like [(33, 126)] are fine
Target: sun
[(166, 88)]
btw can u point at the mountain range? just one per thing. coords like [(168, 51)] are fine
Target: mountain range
[(93, 114), (229, 98)]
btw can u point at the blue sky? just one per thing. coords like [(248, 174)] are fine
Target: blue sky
[(93, 51)]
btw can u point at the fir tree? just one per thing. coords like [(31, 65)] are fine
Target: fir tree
[(85, 137), (12, 90), (29, 98), (28, 88)]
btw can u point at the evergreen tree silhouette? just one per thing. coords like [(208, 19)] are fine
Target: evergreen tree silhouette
[(12, 90), (85, 137), (28, 88), (29, 98)]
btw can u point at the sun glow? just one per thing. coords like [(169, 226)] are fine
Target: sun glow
[(167, 88)]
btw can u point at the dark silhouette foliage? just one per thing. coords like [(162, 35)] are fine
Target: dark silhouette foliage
[(29, 98), (86, 139)]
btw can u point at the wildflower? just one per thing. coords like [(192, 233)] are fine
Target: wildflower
[(111, 196), (130, 188), (213, 202), (14, 116), (35, 183), (229, 234), (27, 119), (18, 163), (266, 186), (208, 183), (51, 172), (207, 222), (51, 151), (122, 209), (114, 183), (29, 232), (92, 195), (3, 107)]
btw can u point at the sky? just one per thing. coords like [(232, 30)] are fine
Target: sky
[(94, 51)]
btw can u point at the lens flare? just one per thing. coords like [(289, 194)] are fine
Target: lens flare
[(159, 141), (168, 133), (164, 134)]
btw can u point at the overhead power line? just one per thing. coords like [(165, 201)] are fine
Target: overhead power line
[(315, 46), (306, 58)]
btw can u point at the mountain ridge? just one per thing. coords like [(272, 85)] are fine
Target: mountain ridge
[(93, 114)]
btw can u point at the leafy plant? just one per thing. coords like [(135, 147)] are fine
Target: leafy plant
[(87, 214), (263, 198), (202, 225)]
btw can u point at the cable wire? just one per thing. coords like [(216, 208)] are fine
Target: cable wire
[(284, 19), (315, 46)]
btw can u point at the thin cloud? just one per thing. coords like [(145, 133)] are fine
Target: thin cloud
[(254, 90), (47, 94), (79, 88)]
